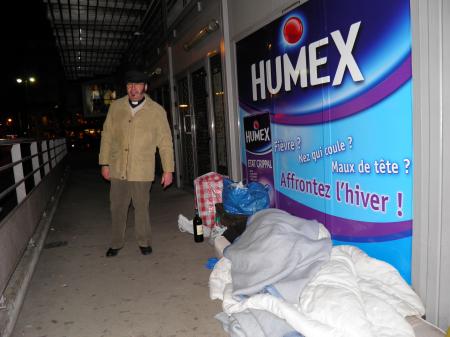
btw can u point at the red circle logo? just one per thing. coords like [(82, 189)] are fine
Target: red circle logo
[(255, 125), (293, 30)]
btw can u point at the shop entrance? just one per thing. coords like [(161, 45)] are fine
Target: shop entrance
[(200, 107), (187, 144), (201, 121)]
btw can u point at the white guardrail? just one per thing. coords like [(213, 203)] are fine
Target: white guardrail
[(23, 165), (30, 173)]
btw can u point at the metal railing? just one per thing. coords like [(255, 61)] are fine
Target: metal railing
[(23, 165)]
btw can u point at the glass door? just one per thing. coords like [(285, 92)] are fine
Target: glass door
[(215, 64), (195, 125), (187, 145), (201, 122)]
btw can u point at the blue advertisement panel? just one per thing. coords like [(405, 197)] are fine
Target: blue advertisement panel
[(337, 84)]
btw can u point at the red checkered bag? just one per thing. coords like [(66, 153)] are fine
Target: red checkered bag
[(208, 192)]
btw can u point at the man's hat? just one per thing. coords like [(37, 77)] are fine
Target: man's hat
[(136, 76)]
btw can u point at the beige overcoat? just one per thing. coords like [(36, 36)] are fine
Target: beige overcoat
[(129, 143)]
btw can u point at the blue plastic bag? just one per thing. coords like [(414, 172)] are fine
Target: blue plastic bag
[(211, 263), (246, 200)]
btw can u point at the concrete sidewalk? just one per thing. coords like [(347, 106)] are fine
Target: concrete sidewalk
[(77, 292)]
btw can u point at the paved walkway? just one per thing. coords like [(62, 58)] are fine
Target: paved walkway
[(77, 292)]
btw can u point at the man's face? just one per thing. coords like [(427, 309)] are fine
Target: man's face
[(136, 91)]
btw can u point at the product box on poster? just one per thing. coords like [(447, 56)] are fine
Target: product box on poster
[(258, 151)]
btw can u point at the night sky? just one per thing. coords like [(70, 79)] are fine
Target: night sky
[(29, 49)]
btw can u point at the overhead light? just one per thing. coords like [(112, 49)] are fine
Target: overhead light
[(32, 79), (19, 80), (183, 105), (211, 53), (212, 26)]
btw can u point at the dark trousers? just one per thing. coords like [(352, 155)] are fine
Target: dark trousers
[(122, 193)]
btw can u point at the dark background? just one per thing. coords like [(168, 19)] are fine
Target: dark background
[(29, 49)]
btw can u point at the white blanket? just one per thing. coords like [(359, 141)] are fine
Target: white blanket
[(353, 295)]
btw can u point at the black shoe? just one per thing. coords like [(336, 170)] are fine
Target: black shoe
[(146, 250), (112, 252)]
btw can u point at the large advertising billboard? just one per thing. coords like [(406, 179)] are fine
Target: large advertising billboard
[(335, 79)]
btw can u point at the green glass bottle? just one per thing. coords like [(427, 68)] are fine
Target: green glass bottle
[(198, 228)]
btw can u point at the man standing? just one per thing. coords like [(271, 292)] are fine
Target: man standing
[(134, 127)]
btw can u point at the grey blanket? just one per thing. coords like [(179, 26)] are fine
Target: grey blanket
[(278, 253), (256, 323)]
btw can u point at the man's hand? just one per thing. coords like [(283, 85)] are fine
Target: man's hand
[(105, 172), (166, 179)]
